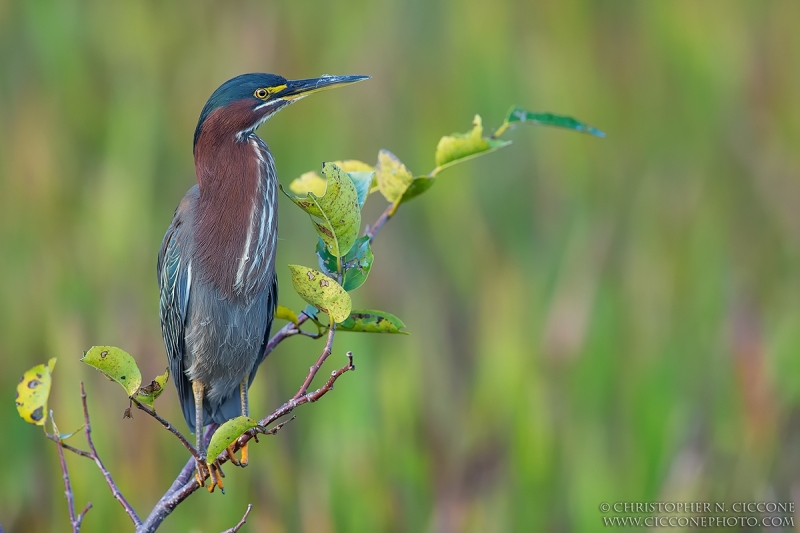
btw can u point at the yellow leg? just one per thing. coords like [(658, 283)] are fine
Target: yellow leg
[(198, 389), (245, 412), (204, 470)]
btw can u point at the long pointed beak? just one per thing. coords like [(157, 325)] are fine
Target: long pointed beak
[(296, 89)]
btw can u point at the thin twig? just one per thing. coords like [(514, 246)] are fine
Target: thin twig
[(289, 330), (326, 352), (238, 526), (67, 485), (106, 474), (66, 446), (168, 426), (372, 231), (81, 516), (289, 406)]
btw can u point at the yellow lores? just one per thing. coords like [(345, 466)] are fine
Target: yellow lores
[(264, 92)]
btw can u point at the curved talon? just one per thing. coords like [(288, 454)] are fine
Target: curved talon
[(202, 472), (232, 456), (216, 480)]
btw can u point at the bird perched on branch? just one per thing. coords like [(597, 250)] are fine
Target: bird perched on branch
[(216, 267)]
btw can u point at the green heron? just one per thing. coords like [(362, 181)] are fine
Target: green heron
[(216, 267)]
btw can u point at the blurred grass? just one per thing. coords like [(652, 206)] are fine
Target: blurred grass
[(591, 320)]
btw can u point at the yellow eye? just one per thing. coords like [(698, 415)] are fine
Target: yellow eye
[(261, 94)]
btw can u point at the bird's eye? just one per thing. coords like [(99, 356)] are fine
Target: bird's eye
[(261, 94)]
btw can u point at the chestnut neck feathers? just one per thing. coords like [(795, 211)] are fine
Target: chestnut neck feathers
[(236, 215)]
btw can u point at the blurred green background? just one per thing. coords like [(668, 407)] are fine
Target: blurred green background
[(592, 320)]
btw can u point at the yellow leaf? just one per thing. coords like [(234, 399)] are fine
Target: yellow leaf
[(33, 390), (286, 314), (117, 365), (392, 176), (308, 182), (353, 165), (462, 146), (322, 292)]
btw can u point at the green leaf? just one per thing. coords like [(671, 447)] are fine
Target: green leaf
[(117, 365), (286, 314), (321, 291), (417, 187), (227, 433), (336, 215), (392, 176), (462, 146), (148, 394), (518, 115), (356, 264), (33, 390), (369, 321)]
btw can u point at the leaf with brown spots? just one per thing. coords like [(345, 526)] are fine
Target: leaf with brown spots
[(33, 390), (369, 321), (336, 214), (322, 292), (117, 365)]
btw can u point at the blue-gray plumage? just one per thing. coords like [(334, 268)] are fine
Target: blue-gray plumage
[(216, 267)]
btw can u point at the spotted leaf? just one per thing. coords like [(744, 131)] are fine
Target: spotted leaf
[(33, 390), (369, 321), (322, 292), (336, 214), (117, 365)]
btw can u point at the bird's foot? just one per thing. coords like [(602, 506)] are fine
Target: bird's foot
[(210, 471), (238, 462)]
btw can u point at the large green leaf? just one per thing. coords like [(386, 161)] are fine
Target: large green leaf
[(226, 434), (322, 292), (518, 115), (356, 263), (392, 176), (33, 390), (369, 321), (462, 146), (336, 214), (117, 365)]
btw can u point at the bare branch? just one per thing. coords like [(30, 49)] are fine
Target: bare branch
[(168, 426), (82, 514), (238, 526), (67, 485), (372, 231), (74, 450), (106, 474), (312, 372)]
